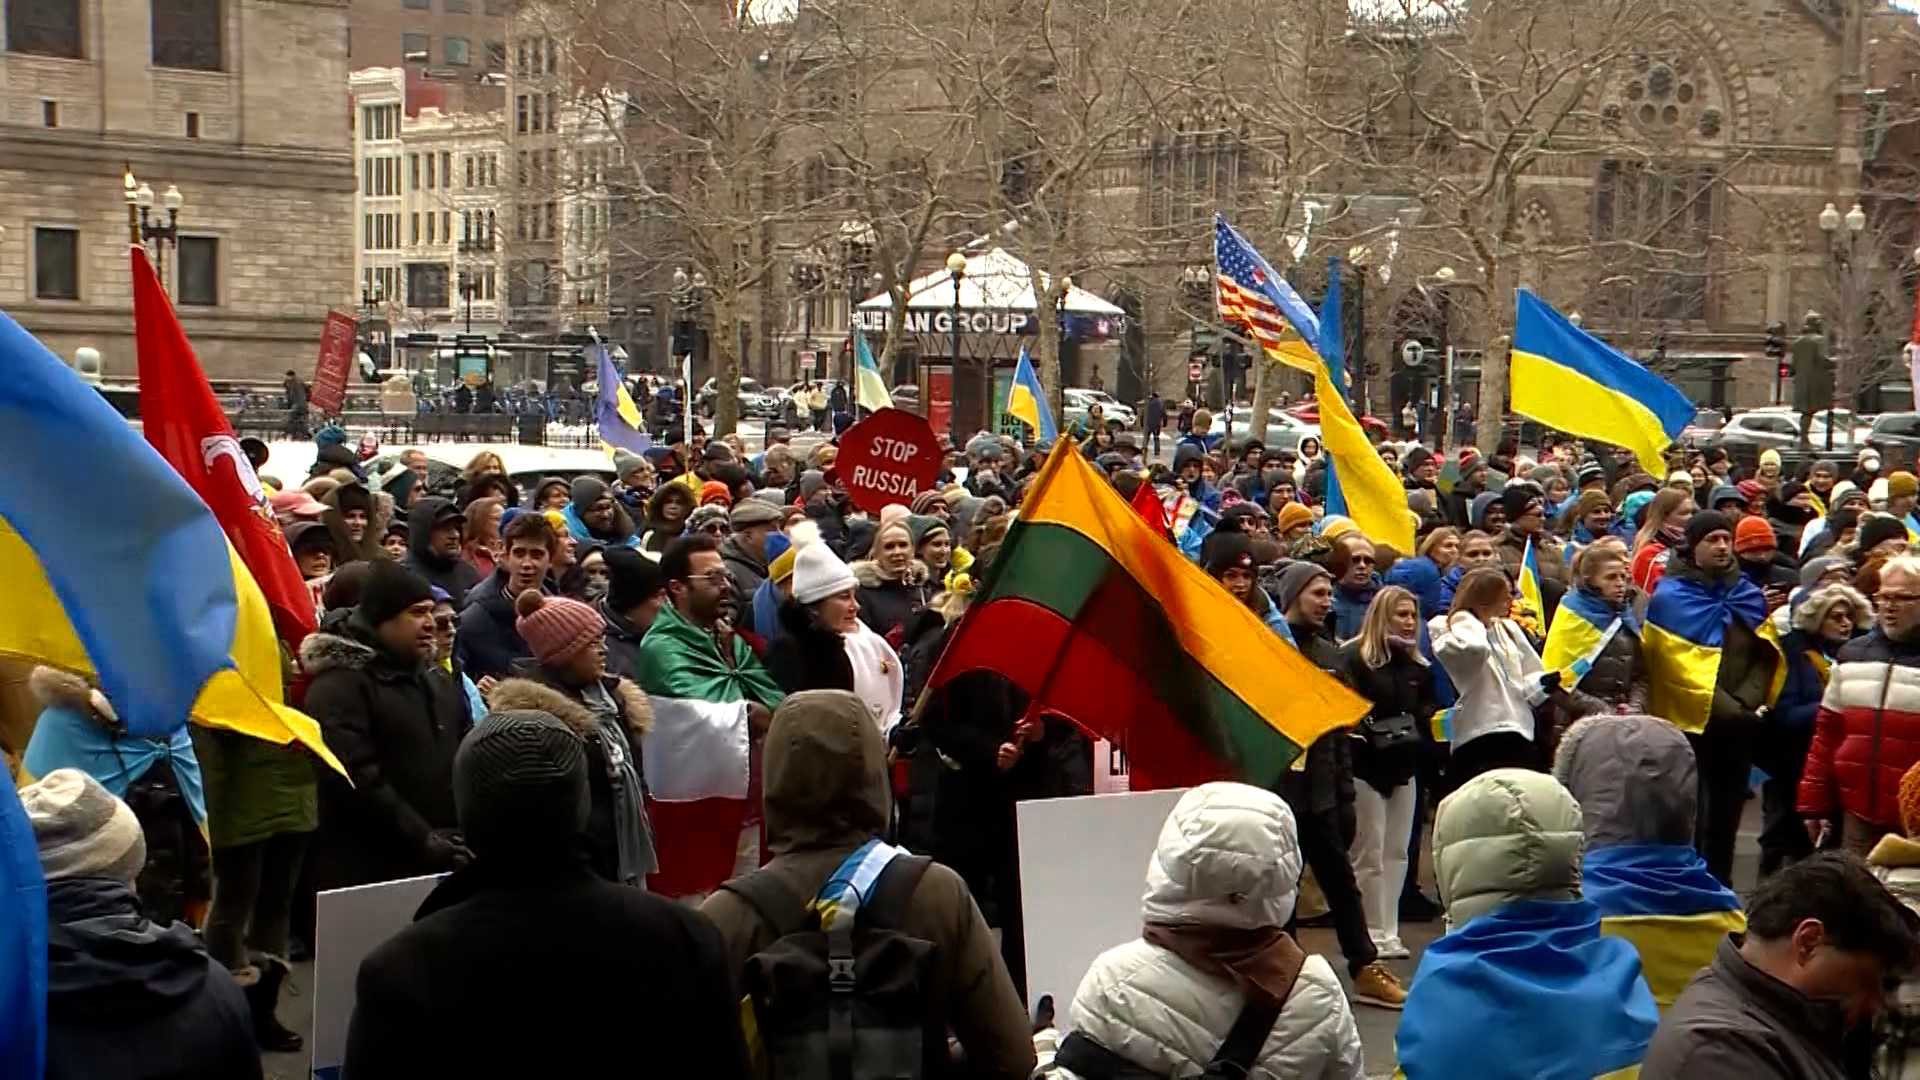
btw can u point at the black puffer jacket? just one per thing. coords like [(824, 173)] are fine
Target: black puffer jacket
[(889, 604), (1401, 686), (808, 656), (395, 726)]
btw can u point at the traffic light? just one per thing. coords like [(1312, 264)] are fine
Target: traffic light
[(1776, 346)]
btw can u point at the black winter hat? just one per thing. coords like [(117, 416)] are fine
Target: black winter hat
[(632, 578), (389, 590), (1228, 550), (1704, 524), (1518, 494), (1877, 529), (520, 784), (1185, 454), (1415, 458), (1589, 472)]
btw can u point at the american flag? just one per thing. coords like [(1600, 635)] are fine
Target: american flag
[(1250, 295)]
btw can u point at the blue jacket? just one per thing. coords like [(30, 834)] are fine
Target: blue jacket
[(1350, 608), (1423, 579), (1275, 619), (486, 642), (1806, 680)]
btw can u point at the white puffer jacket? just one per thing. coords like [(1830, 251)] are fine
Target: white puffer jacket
[(1228, 855)]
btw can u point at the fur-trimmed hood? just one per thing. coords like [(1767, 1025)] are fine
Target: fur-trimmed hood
[(324, 652), (867, 573), (1812, 610), (54, 688), (510, 694)]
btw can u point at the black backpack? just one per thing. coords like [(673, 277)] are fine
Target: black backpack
[(848, 1004)]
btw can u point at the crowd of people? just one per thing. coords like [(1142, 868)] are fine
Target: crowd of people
[(509, 677)]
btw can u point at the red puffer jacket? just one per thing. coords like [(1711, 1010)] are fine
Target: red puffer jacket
[(1867, 732)]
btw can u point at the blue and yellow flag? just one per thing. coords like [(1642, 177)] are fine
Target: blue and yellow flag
[(1530, 582), (1027, 402), (869, 389), (1582, 626), (615, 414), (1686, 628), (1664, 900), (1359, 484), (154, 604), (1568, 379)]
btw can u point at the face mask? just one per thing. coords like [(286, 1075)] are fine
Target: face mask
[(595, 589)]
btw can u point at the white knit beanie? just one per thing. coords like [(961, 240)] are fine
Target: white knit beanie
[(81, 829), (818, 573)]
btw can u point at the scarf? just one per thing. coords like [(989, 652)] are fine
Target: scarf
[(1262, 962), (633, 833)]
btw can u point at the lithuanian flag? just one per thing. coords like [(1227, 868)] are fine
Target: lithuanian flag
[(1101, 621)]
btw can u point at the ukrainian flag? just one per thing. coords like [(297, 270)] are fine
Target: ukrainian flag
[(615, 414), (1662, 899), (1581, 628), (1568, 379), (1530, 582), (870, 390), (1686, 628), (1359, 483), (1027, 402), (140, 590)]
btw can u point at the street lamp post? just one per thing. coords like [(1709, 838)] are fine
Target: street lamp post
[(1196, 289), (957, 270), (1841, 246), (856, 259), (144, 228), (807, 275)]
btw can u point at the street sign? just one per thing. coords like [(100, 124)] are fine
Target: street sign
[(888, 458), (1413, 354), (808, 358), (1195, 372), (329, 391)]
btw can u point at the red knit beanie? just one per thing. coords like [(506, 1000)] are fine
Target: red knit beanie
[(1754, 534), (556, 628)]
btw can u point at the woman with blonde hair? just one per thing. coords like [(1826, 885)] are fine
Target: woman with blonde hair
[(1663, 531), (1385, 666), (1499, 677), (481, 545)]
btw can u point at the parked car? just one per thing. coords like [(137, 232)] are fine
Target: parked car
[(1376, 428), (1897, 436), (1779, 427), (1702, 427), (1284, 431), (1079, 402), (755, 401)]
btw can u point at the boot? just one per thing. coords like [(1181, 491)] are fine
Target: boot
[(262, 997)]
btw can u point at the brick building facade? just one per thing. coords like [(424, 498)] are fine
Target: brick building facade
[(241, 105)]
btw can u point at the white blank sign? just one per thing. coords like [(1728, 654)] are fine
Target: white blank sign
[(349, 924), (1083, 868)]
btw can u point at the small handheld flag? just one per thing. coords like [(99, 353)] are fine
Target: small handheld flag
[(1027, 402), (1530, 581)]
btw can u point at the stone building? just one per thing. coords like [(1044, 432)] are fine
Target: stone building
[(241, 105)]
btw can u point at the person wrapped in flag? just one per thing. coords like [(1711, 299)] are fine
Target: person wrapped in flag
[(1525, 985), (1634, 777), (1595, 637), (1710, 671)]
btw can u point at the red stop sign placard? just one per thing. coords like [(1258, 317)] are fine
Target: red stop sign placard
[(888, 458)]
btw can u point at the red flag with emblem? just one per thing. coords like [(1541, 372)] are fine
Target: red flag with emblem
[(185, 423)]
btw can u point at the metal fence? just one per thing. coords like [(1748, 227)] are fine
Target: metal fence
[(392, 428)]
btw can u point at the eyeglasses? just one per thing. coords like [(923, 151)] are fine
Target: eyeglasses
[(1893, 599), (715, 578), (716, 528)]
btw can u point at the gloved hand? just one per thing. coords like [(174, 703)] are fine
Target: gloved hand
[(446, 849), (1550, 681)]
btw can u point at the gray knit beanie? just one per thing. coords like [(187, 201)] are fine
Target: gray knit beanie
[(81, 829), (1295, 579), (520, 783)]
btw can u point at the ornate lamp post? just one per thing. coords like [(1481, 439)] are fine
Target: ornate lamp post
[(144, 227), (1841, 246), (957, 270), (807, 276)]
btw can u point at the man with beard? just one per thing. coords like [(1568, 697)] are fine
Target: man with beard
[(1703, 596), (594, 514)]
